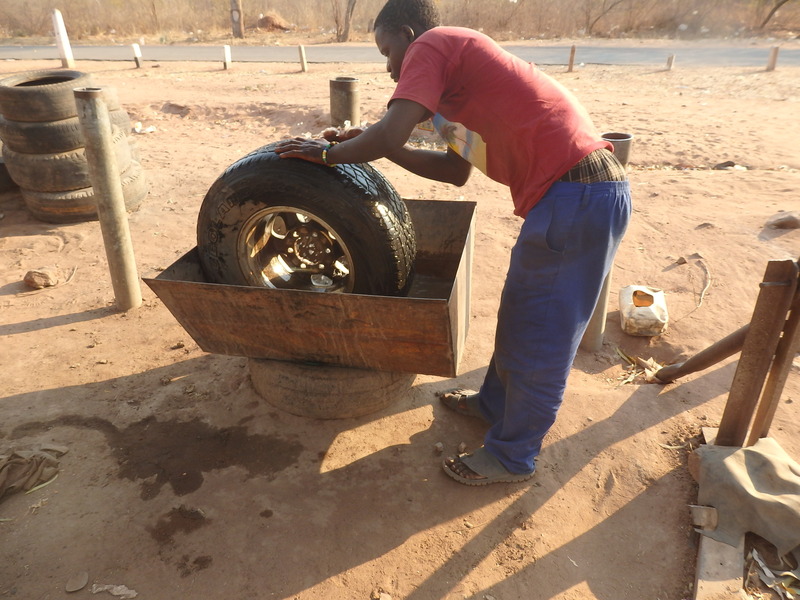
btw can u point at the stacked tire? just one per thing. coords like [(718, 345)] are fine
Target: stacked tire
[(6, 183), (44, 150)]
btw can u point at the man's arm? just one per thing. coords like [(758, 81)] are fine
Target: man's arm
[(381, 139), (448, 167), (386, 138)]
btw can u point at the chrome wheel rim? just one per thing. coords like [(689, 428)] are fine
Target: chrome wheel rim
[(283, 247)]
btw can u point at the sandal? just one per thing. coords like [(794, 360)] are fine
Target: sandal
[(464, 402), (480, 468)]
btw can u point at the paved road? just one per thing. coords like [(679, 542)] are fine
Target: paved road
[(367, 53)]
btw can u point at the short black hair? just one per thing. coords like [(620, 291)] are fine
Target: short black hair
[(418, 14)]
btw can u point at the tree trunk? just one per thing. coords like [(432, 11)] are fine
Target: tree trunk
[(237, 20), (155, 16), (344, 34), (772, 12), (604, 10)]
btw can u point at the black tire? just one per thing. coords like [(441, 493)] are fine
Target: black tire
[(41, 96), (6, 183), (80, 205), (136, 154), (325, 392), (292, 224), (52, 137), (63, 171)]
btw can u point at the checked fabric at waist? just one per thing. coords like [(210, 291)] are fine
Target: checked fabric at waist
[(597, 166)]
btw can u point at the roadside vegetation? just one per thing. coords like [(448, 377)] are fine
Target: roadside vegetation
[(171, 21)]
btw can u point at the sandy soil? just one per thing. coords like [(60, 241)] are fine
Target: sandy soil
[(181, 482)]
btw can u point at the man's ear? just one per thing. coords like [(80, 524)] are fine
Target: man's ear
[(408, 32)]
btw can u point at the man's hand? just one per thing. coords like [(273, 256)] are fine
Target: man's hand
[(306, 148), (336, 134)]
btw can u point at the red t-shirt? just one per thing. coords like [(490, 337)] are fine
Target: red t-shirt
[(534, 129)]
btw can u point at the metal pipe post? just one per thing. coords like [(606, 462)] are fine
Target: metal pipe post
[(105, 177), (592, 340), (345, 102)]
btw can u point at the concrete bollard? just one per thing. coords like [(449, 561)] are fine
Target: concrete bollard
[(105, 177), (345, 101), (773, 58), (137, 55), (62, 41), (303, 61)]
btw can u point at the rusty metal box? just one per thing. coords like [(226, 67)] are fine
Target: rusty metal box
[(421, 332)]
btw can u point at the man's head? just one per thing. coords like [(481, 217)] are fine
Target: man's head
[(420, 15), (398, 24)]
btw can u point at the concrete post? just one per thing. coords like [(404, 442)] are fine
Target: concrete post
[(303, 61), (105, 177), (137, 55), (773, 58), (62, 41)]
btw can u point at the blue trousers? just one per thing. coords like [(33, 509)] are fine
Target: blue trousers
[(564, 251)]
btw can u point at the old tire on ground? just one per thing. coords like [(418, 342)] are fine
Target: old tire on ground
[(6, 183), (52, 137), (62, 171), (292, 224), (325, 392), (41, 96), (80, 205)]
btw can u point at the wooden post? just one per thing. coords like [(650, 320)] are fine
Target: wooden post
[(788, 347), (137, 55), (62, 41), (758, 350), (107, 184), (670, 62), (237, 20), (571, 58), (226, 59), (728, 346), (303, 62), (773, 58)]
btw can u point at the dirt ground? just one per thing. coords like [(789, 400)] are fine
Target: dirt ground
[(181, 482)]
